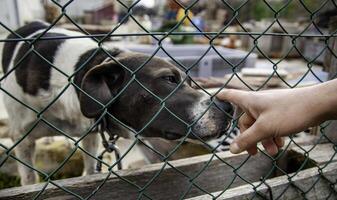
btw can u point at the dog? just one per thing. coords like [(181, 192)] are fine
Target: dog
[(68, 84)]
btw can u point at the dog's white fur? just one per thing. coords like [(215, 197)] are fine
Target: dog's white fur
[(200, 111), (66, 109)]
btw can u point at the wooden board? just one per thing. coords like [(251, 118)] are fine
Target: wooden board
[(170, 184), (281, 189), (321, 153)]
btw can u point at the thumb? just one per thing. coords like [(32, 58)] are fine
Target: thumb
[(247, 139)]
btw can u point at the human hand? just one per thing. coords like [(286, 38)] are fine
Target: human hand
[(272, 114)]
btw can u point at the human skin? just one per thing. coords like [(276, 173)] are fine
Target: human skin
[(272, 114)]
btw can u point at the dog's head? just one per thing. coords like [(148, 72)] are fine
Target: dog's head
[(155, 99)]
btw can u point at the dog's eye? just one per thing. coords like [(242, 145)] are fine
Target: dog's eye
[(171, 79)]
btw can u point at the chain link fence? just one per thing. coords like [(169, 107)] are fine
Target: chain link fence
[(237, 13)]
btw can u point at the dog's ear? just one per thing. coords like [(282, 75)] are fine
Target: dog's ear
[(102, 83)]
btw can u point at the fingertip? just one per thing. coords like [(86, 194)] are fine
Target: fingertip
[(272, 150), (247, 139), (270, 147), (234, 148), (229, 95), (224, 94)]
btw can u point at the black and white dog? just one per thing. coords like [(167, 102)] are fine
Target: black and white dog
[(40, 82)]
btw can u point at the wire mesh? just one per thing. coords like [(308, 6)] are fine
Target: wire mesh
[(159, 38)]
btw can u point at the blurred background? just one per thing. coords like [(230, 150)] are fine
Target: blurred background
[(233, 26)]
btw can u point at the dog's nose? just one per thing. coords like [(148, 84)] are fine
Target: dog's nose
[(224, 106)]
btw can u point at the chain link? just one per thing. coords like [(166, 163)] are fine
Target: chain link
[(159, 37)]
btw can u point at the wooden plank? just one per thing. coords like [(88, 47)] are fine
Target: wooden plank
[(321, 153), (281, 189), (318, 154), (168, 185)]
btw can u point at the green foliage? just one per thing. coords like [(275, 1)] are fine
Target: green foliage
[(176, 39), (7, 181), (293, 10), (260, 11)]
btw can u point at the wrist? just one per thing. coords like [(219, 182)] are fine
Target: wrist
[(324, 101)]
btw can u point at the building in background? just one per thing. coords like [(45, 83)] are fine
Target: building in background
[(104, 14), (15, 13)]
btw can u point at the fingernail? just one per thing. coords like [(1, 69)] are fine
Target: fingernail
[(234, 148)]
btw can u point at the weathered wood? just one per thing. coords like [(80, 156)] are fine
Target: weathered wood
[(321, 153), (168, 185), (281, 188), (317, 155)]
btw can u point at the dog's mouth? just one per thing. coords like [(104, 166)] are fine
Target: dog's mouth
[(176, 136), (172, 135)]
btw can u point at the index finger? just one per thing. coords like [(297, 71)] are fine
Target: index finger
[(237, 97)]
